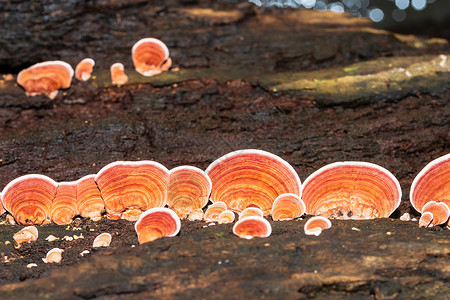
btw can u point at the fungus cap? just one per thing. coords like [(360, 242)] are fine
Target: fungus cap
[(251, 211), (130, 187), (439, 210), (150, 57), (316, 224), (196, 215), (118, 76), (64, 206), (102, 240), (253, 226), (351, 190), (53, 256), (250, 177), (84, 69), (189, 189), (29, 198), (225, 217), (287, 207), (89, 200), (26, 235), (156, 223), (432, 183), (46, 78), (214, 210)]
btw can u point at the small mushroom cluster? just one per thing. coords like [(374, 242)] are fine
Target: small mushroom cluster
[(150, 57), (252, 183)]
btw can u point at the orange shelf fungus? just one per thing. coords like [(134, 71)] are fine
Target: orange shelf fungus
[(64, 206), (351, 190), (156, 223), (2, 209), (46, 78), (189, 189), (196, 215), (251, 211), (253, 226), (29, 199), (287, 207), (432, 184), (214, 210), (118, 76), (225, 217), (439, 214), (247, 178), (26, 235), (102, 240), (150, 57), (53, 256), (89, 200), (316, 225), (84, 69), (129, 188)]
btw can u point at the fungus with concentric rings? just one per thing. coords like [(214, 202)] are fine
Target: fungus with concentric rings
[(225, 217), (253, 226), (351, 190), (29, 199), (118, 76), (46, 78), (102, 240), (316, 225), (439, 214), (64, 206), (196, 215), (129, 188), (214, 210), (189, 189), (287, 207), (250, 177), (432, 184), (251, 211), (84, 69), (89, 200), (150, 57), (156, 223)]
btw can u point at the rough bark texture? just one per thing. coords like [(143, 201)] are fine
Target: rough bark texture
[(313, 88)]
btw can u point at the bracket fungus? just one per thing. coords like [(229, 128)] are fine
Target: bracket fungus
[(102, 240), (214, 210), (251, 211), (253, 226), (189, 189), (46, 78), (128, 188), (225, 217), (26, 235), (118, 76), (89, 200), (150, 57), (432, 184), (439, 214), (351, 190), (64, 206), (156, 223), (316, 225), (29, 198), (53, 256), (196, 215), (250, 177), (84, 69), (2, 209), (287, 207)]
